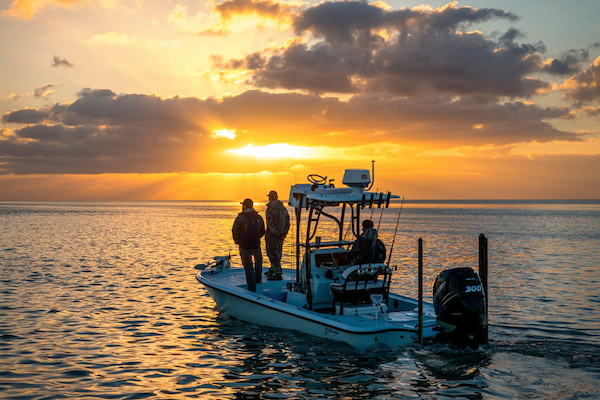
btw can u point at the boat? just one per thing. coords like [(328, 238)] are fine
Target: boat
[(333, 293)]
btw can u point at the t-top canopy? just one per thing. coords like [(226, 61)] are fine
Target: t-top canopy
[(301, 195)]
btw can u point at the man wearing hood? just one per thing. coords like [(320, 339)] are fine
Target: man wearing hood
[(248, 229), (367, 247), (278, 225)]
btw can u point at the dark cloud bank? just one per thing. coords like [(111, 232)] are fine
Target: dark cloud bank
[(418, 76), (361, 48), (105, 132)]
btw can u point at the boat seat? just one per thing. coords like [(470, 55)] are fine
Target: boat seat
[(362, 309), (358, 284), (349, 271)]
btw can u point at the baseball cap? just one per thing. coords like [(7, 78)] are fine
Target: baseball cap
[(272, 194), (247, 203)]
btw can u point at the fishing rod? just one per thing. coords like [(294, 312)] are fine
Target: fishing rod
[(395, 231), (371, 202), (382, 208), (377, 231)]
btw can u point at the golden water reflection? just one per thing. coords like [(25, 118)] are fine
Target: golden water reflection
[(100, 300)]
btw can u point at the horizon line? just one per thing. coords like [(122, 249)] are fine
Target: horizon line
[(431, 201)]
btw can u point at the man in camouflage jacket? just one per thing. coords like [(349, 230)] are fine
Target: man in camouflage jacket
[(278, 225)]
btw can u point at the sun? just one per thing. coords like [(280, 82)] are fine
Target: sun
[(279, 150), (224, 133)]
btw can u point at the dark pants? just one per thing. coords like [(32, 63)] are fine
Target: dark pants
[(274, 252), (253, 269)]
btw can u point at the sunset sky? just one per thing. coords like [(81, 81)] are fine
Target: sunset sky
[(203, 100)]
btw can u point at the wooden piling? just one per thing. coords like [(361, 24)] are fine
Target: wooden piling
[(421, 291), (483, 275)]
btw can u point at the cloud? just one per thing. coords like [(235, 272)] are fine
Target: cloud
[(185, 24), (356, 47), (61, 62), (13, 97), (26, 116), (44, 91), (27, 9), (357, 21), (567, 64), (275, 10), (235, 15), (591, 111), (585, 86), (105, 132)]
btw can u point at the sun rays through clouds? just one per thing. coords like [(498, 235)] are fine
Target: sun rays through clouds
[(451, 95)]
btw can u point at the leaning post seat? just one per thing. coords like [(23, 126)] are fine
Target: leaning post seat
[(358, 284)]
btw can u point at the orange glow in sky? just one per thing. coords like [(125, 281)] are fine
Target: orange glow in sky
[(230, 99), (279, 150)]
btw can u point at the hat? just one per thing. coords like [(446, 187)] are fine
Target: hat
[(272, 195), (247, 203)]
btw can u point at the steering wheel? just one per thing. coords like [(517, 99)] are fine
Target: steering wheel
[(317, 179)]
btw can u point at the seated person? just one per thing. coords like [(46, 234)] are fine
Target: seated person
[(367, 248)]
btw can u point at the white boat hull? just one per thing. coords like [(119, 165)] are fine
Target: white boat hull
[(373, 328)]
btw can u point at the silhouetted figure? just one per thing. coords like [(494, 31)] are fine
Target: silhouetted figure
[(248, 229), (278, 225), (367, 247)]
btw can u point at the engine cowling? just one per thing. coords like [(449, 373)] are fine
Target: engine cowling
[(460, 307)]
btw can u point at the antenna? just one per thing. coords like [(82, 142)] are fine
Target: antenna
[(372, 174)]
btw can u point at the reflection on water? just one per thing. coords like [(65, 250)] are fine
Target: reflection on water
[(99, 300)]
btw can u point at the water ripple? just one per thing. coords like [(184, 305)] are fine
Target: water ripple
[(104, 304)]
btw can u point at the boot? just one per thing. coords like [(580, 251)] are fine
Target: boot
[(275, 277)]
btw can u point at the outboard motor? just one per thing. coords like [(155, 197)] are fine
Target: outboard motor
[(460, 309)]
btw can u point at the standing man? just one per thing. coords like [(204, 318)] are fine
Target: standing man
[(278, 225), (248, 229)]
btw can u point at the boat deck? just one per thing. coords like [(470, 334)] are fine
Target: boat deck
[(400, 311)]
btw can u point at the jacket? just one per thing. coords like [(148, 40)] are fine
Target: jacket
[(278, 220), (368, 248), (248, 229)]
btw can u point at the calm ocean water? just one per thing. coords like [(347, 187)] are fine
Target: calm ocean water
[(100, 301)]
